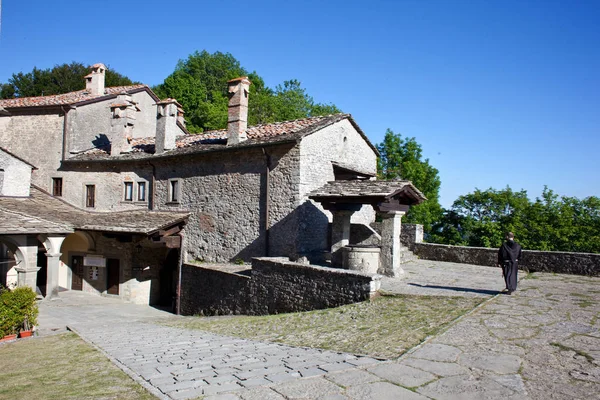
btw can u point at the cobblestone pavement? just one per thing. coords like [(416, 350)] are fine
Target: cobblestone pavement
[(542, 342)]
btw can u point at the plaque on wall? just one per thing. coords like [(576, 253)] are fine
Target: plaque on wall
[(94, 261)]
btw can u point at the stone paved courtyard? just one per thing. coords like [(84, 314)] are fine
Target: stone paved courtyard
[(543, 342)]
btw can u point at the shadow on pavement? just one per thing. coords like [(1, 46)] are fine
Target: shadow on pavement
[(458, 289)]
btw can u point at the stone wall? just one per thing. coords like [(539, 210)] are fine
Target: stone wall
[(36, 138), (275, 285), (340, 143), (532, 260), (15, 176)]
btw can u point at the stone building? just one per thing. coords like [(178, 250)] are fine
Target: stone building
[(107, 192), (103, 190)]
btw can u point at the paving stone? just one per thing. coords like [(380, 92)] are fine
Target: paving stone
[(362, 361), (186, 394), (402, 374), (282, 377), (335, 367), (260, 393), (382, 391), (513, 382), (352, 377), (310, 388), (308, 372), (226, 396), (436, 367), (498, 363), (227, 387), (465, 387), (437, 352), (253, 382)]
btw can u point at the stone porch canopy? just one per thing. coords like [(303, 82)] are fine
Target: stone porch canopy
[(40, 217), (390, 199)]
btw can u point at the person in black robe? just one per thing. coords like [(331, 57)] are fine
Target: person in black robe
[(509, 255)]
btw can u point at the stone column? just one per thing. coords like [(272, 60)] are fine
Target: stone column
[(390, 244), (27, 268), (53, 244), (340, 235)]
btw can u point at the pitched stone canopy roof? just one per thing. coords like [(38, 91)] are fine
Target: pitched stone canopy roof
[(78, 96), (42, 213), (368, 192), (259, 135)]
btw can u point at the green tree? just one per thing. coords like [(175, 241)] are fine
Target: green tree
[(60, 79), (549, 223), (482, 218), (401, 158), (199, 83)]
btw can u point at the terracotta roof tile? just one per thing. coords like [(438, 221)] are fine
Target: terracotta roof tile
[(217, 140), (65, 98)]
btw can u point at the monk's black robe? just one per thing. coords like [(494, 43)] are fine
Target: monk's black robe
[(509, 256)]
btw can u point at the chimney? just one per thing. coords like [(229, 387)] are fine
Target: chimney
[(167, 113), (237, 118), (123, 120), (94, 82)]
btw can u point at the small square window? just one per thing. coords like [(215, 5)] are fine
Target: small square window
[(174, 191), (90, 196), (128, 191), (57, 186), (141, 191)]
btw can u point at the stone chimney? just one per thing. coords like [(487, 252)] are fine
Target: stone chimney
[(123, 120), (237, 119), (167, 114), (94, 82)]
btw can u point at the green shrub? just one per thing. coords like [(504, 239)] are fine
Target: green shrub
[(18, 310)]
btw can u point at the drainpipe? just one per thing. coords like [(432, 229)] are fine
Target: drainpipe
[(267, 199), (151, 204), (65, 129), (179, 270)]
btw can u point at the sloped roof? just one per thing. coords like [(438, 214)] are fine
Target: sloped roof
[(70, 98), (259, 135), (42, 213), (368, 191), (17, 157)]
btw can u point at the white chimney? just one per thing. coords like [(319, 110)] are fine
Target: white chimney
[(237, 113), (123, 120), (94, 82), (166, 125)]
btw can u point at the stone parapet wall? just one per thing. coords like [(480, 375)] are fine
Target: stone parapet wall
[(532, 260), (275, 285)]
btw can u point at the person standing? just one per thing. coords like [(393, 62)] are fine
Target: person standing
[(509, 255)]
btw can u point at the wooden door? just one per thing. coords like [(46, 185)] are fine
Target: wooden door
[(113, 273), (77, 272)]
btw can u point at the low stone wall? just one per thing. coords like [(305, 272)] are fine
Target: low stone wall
[(275, 285), (532, 260)]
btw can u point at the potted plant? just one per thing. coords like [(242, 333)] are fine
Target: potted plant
[(8, 325), (18, 312)]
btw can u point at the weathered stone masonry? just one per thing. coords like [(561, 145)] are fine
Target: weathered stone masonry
[(274, 285)]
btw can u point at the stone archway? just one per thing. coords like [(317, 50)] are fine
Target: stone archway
[(8, 261)]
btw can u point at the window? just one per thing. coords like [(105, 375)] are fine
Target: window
[(128, 191), (141, 191), (174, 191), (57, 184), (90, 196)]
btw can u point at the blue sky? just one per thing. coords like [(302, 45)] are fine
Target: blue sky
[(497, 93)]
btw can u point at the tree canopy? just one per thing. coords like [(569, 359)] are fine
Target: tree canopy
[(401, 158), (199, 83), (550, 223), (60, 79)]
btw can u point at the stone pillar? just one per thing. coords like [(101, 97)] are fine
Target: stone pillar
[(52, 276), (390, 243), (27, 268), (340, 235)]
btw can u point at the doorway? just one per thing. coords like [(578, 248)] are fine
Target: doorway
[(168, 280), (76, 272), (113, 275)]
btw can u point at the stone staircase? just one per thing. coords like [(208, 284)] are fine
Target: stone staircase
[(407, 256)]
